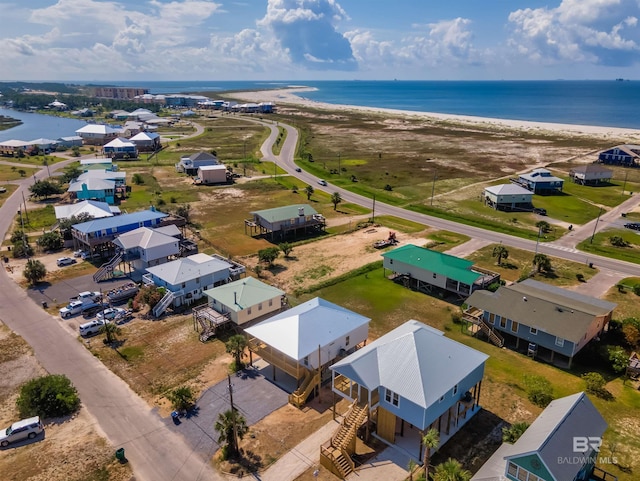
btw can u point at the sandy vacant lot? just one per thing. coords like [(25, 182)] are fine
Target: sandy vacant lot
[(312, 263)]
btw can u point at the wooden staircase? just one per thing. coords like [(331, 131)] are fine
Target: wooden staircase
[(475, 316), (300, 395), (106, 270), (336, 454)]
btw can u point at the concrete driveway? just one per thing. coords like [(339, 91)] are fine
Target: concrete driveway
[(253, 395)]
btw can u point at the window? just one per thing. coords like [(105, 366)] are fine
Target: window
[(435, 275), (184, 284), (249, 311), (260, 306), (390, 261), (346, 341), (441, 398), (522, 475), (391, 397), (306, 361), (512, 469), (503, 322), (270, 302), (514, 326), (455, 389), (492, 318), (533, 331), (559, 342), (197, 280)]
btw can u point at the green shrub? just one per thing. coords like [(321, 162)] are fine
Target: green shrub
[(48, 396), (182, 398), (618, 358), (595, 383), (512, 433), (539, 390)]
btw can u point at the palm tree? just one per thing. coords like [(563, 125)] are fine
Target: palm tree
[(309, 191), (336, 198), (232, 427), (501, 252), (542, 262), (451, 470), (111, 331), (235, 346), (430, 441)]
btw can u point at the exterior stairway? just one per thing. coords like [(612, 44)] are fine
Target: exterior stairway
[(336, 454), (475, 316), (106, 270), (161, 306), (300, 395)]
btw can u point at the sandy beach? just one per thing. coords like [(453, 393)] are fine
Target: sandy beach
[(295, 97)]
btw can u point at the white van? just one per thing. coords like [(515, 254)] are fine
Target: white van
[(25, 429), (90, 328)]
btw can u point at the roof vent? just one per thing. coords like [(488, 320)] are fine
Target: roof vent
[(301, 211), (524, 298)]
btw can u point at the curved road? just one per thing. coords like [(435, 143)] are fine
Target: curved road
[(155, 453), (563, 248)]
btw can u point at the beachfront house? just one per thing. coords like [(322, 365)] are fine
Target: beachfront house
[(410, 380), (627, 155), (429, 271), (245, 300), (97, 134), (591, 174), (541, 181), (190, 164), (120, 148), (146, 247), (542, 320), (187, 278), (301, 343), (69, 142), (562, 444), (281, 222), (12, 147), (508, 197)]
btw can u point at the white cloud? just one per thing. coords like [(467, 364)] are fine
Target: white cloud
[(307, 31), (596, 31)]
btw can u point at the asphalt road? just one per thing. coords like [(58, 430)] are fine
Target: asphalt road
[(155, 452)]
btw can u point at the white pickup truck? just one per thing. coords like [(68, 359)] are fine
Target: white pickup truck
[(76, 307)]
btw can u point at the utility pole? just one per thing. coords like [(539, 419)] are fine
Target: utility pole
[(626, 174), (595, 226), (233, 415), (26, 212), (433, 187), (373, 213)]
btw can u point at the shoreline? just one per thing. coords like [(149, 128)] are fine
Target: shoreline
[(290, 96)]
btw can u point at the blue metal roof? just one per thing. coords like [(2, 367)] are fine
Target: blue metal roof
[(119, 221)]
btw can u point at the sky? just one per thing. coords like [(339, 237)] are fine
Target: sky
[(102, 40)]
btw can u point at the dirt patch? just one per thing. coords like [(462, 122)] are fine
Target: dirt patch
[(70, 449), (313, 263)]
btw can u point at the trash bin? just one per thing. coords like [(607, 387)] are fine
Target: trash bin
[(120, 455), (6, 260), (44, 304)]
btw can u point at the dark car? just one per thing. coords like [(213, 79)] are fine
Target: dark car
[(540, 211), (298, 169), (633, 225)]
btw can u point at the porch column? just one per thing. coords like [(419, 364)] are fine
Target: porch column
[(479, 389)]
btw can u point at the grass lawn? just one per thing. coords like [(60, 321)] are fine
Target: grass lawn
[(12, 172), (607, 194), (389, 305), (601, 245), (520, 263), (39, 219), (567, 208), (626, 299)]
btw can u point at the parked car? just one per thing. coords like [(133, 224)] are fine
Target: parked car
[(26, 429), (65, 261), (322, 182), (92, 309), (111, 313), (633, 225), (91, 328), (87, 256), (3, 190), (539, 211), (78, 253)]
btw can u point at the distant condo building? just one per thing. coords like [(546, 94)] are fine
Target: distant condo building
[(126, 93)]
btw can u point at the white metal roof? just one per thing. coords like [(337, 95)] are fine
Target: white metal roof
[(144, 237), (299, 331), (95, 209), (508, 189), (102, 174), (92, 184), (188, 268), (212, 167), (243, 293), (14, 143), (119, 142), (96, 129), (414, 360)]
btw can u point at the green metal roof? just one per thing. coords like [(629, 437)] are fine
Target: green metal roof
[(284, 213), (243, 293), (452, 267)]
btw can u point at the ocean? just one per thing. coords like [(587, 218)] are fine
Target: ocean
[(610, 103)]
